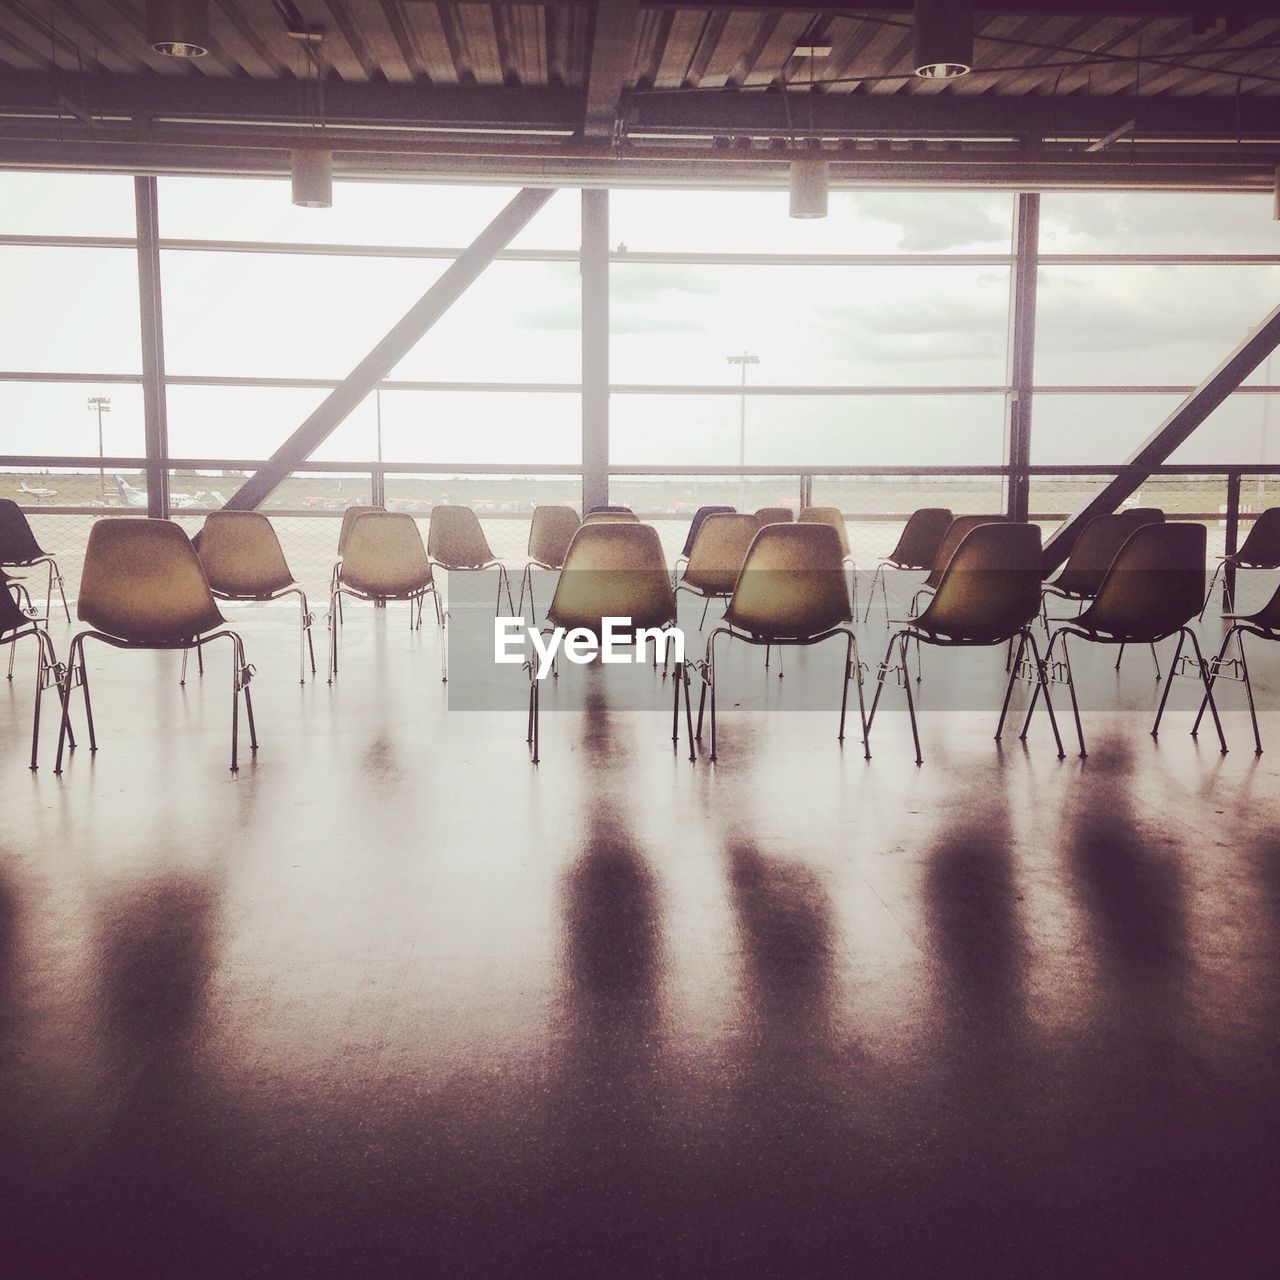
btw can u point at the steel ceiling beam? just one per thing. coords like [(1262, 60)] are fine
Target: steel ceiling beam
[(398, 342), (612, 56), (1171, 433)]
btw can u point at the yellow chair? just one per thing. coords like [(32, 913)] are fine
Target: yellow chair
[(774, 515), (550, 532), (244, 562), (791, 591), (834, 517), (614, 570), (142, 587), (988, 594), (456, 543), (349, 517), (383, 560), (716, 557), (18, 624)]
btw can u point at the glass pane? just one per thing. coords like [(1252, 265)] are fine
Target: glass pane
[(378, 213), (70, 310), (1152, 326), (481, 426), (52, 418), (66, 204), (851, 326), (807, 430), (858, 222), (1156, 222)]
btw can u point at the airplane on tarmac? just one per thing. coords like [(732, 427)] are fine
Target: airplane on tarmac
[(37, 491), (131, 497)]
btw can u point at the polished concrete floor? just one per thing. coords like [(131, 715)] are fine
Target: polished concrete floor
[(393, 1002)]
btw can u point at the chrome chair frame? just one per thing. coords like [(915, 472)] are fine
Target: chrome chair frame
[(49, 672), (415, 600), (77, 673), (53, 575), (852, 669), (306, 646), (1237, 631)]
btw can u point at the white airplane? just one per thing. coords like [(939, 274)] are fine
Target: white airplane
[(37, 491), (131, 497)]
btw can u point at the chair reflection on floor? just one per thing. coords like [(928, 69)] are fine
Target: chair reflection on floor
[(456, 543), (614, 570), (791, 592), (142, 587), (1152, 591), (16, 624), (20, 550), (244, 562), (916, 549), (988, 594), (550, 532), (385, 561)]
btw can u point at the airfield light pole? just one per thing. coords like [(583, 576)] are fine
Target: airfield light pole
[(742, 361), (102, 404)]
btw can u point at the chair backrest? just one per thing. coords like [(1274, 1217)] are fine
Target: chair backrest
[(606, 506), (1269, 615), (550, 532), (384, 556), (456, 540), (241, 555), (143, 582), (11, 615), (696, 523), (613, 570), (792, 585), (1097, 546), (990, 589), (18, 543), (1155, 584), (1261, 545), (1143, 515), (920, 538), (349, 517), (774, 515), (956, 533), (611, 517), (718, 554), (827, 515)]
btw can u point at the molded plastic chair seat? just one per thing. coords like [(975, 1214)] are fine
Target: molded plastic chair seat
[(916, 549), (19, 549), (718, 553), (550, 532), (143, 587), (456, 543), (1259, 550), (774, 515), (988, 594), (696, 524), (1095, 549), (611, 517)]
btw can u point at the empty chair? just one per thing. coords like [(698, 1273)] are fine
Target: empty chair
[(917, 548), (604, 508), (791, 591), (774, 515), (20, 550), (349, 517), (695, 524), (1265, 624), (611, 517), (988, 594), (456, 543), (716, 557), (384, 561), (1259, 550), (835, 518), (17, 624), (614, 570), (1097, 546), (243, 561), (142, 587), (1155, 586), (550, 532), (959, 529)]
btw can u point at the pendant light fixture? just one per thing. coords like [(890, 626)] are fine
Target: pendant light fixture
[(943, 45), (178, 28), (810, 180), (312, 170)]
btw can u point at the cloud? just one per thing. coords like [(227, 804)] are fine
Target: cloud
[(929, 222)]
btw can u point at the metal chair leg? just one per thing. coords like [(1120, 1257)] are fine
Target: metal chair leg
[(1042, 682), (911, 703), (1164, 697), (1203, 668), (1012, 668), (880, 675)]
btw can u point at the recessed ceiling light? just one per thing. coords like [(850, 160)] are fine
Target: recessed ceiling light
[(178, 28)]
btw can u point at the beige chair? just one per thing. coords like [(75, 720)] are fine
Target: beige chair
[(1153, 589), (20, 550), (791, 591), (774, 515), (611, 517), (917, 549), (456, 543), (716, 558), (244, 562), (383, 560), (988, 594), (18, 624), (834, 517), (614, 570), (142, 587), (550, 532), (349, 517)]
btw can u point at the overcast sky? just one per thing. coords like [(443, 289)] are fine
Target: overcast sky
[(233, 314)]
